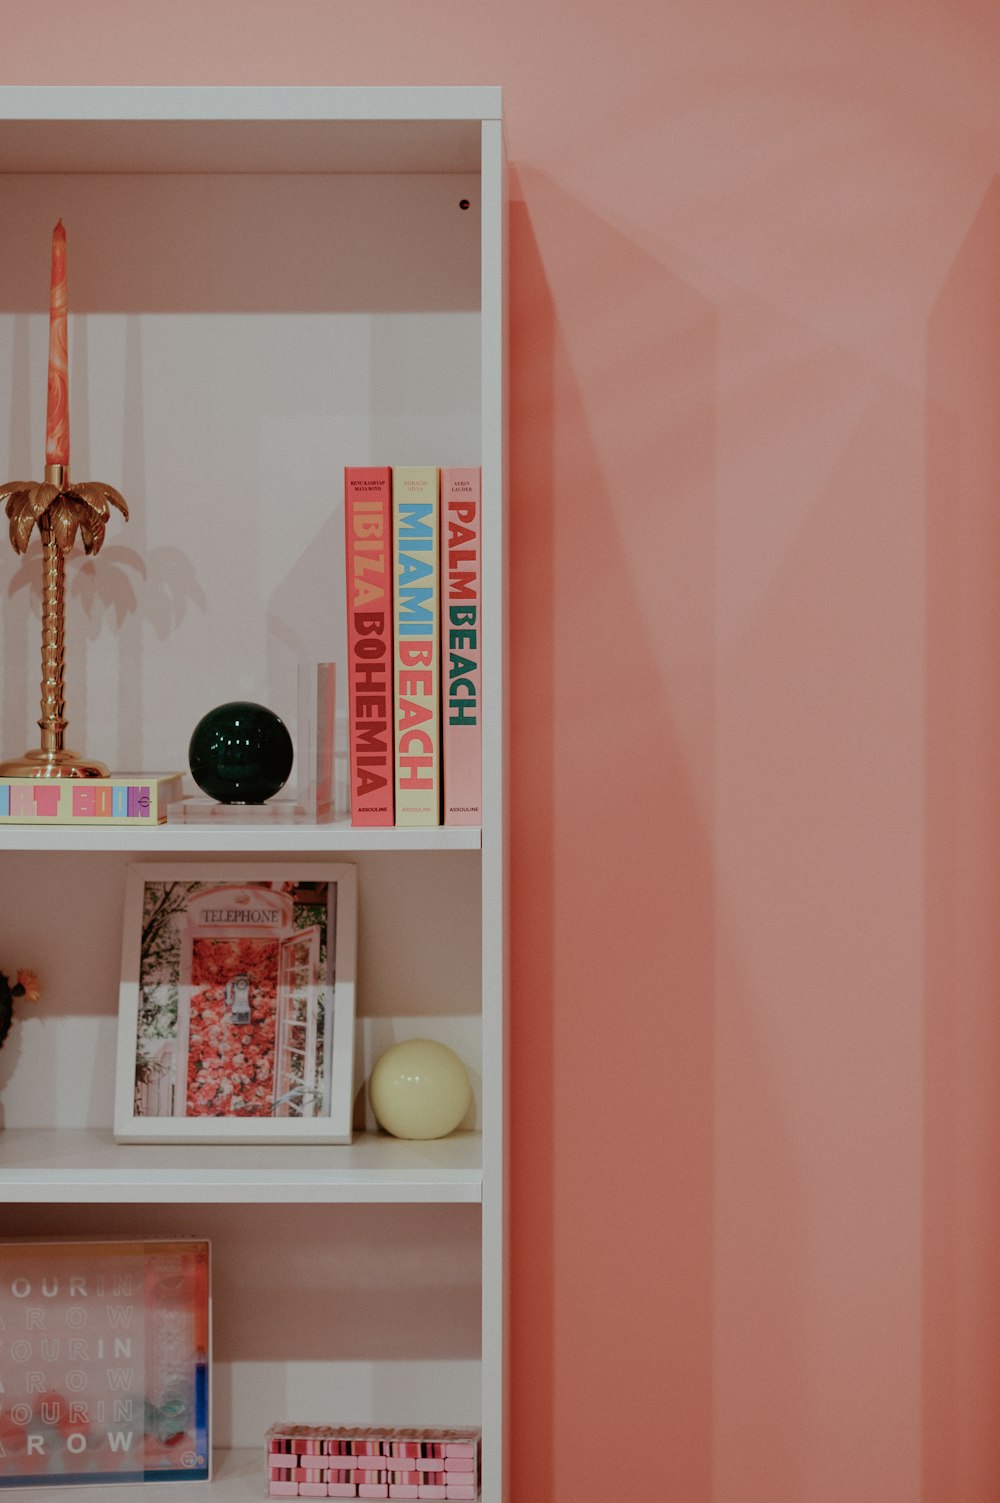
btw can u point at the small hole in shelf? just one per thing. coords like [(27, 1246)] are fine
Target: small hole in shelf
[(463, 203)]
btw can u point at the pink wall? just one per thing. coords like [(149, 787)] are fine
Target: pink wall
[(756, 821)]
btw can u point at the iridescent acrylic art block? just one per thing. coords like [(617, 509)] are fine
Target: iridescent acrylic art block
[(106, 1353)]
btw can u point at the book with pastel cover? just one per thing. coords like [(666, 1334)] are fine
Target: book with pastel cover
[(461, 605), (124, 798), (417, 639)]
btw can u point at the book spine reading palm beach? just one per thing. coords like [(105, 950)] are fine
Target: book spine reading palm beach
[(461, 601)]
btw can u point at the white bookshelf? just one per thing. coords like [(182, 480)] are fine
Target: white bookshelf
[(264, 285)]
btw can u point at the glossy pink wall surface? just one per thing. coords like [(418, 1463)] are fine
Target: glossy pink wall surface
[(755, 303)]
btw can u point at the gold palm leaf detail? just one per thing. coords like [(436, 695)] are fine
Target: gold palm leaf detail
[(84, 508), (96, 500), (27, 503), (14, 488), (92, 531), (101, 498), (65, 515)]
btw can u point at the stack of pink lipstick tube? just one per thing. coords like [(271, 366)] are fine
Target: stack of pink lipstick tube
[(327, 1461)]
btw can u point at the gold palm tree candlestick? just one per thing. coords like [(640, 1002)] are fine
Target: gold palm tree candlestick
[(60, 511)]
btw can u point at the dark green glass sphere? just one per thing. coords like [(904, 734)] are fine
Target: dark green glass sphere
[(240, 753)]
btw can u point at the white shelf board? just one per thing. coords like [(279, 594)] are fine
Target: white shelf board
[(237, 1476), (243, 129), (130, 102), (339, 835), (86, 1166)]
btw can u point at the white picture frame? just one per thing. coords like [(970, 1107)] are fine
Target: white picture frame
[(236, 1006)]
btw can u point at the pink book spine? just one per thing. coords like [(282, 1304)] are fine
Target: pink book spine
[(368, 534), (461, 645)]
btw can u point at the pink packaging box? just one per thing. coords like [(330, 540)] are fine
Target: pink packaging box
[(373, 1462)]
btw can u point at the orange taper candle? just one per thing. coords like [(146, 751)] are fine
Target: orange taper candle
[(57, 415)]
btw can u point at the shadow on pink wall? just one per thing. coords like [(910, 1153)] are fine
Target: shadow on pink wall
[(961, 1397), (612, 714)]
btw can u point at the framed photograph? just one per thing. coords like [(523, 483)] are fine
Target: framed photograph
[(236, 1007)]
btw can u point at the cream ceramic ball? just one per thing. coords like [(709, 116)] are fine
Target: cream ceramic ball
[(419, 1089)]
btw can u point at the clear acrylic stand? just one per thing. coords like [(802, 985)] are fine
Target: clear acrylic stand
[(277, 811)]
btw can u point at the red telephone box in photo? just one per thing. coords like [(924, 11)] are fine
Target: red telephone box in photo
[(250, 985)]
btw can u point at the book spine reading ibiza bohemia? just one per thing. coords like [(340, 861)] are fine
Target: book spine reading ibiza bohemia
[(368, 533)]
